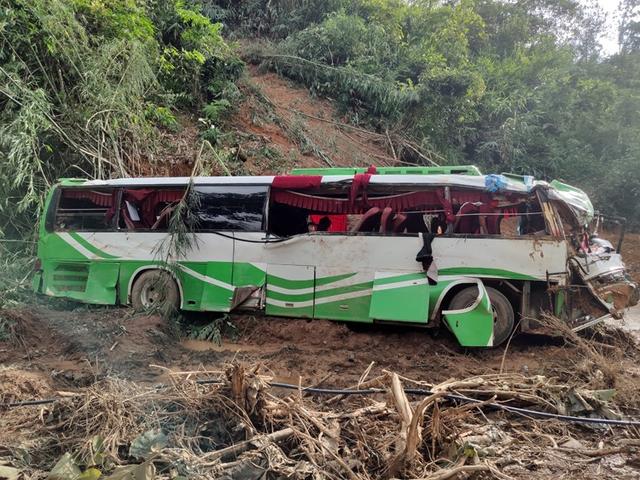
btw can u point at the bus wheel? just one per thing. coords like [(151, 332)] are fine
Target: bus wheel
[(155, 290), (503, 316)]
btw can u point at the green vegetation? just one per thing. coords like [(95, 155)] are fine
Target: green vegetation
[(86, 85), (518, 86)]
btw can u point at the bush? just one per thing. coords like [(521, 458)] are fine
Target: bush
[(86, 83)]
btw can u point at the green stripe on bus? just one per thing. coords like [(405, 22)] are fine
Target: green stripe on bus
[(341, 290), (484, 272), (293, 284), (301, 297), (93, 249), (400, 278)]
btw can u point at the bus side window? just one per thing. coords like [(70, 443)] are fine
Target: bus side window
[(234, 208), (85, 210), (148, 208)]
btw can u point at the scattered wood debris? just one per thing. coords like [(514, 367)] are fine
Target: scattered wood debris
[(235, 424)]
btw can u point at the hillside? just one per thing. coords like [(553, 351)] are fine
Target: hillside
[(280, 125), (207, 382)]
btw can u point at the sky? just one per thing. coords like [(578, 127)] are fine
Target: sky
[(609, 41)]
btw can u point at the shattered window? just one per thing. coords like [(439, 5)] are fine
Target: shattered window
[(235, 208), (148, 208)]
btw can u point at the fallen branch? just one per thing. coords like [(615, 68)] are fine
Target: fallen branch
[(255, 442)]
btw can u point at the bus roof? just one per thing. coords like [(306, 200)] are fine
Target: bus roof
[(409, 170), (455, 180)]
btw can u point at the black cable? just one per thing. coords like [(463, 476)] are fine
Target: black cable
[(525, 412), (277, 240), (450, 396), (27, 403)]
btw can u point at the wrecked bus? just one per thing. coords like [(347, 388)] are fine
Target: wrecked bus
[(483, 255)]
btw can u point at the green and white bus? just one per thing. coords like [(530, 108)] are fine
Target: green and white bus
[(431, 246)]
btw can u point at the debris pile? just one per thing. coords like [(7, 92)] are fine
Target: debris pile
[(237, 423)]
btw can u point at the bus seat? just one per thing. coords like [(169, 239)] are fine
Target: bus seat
[(127, 221), (400, 223), (386, 220), (467, 220), (369, 222)]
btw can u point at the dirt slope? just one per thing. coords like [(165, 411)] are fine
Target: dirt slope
[(279, 125), (275, 126)]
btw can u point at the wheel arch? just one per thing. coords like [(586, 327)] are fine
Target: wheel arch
[(457, 285), (448, 293), (509, 288), (139, 271)]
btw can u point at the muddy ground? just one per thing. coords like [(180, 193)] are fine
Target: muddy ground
[(63, 350), (59, 348), (55, 351)]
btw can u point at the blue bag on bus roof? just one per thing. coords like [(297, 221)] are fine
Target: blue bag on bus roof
[(495, 183)]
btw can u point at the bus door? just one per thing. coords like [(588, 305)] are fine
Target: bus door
[(290, 290), (343, 295), (217, 288)]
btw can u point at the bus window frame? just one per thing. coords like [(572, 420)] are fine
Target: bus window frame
[(264, 212), (548, 231), (51, 224), (50, 214)]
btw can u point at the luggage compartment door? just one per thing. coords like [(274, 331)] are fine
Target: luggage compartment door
[(400, 297), (290, 290)]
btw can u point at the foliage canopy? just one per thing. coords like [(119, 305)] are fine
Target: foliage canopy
[(518, 86), (87, 83)]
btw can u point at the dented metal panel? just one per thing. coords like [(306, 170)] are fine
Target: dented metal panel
[(401, 297), (290, 290), (473, 326)]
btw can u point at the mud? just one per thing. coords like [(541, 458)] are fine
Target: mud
[(71, 349)]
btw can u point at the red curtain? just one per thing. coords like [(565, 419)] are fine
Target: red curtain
[(400, 202), (102, 199), (299, 182)]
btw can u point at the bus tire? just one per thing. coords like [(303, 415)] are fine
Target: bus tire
[(503, 315), (155, 290)]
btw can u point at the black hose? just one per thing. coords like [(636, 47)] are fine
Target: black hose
[(28, 403), (246, 240), (450, 396), (410, 391)]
